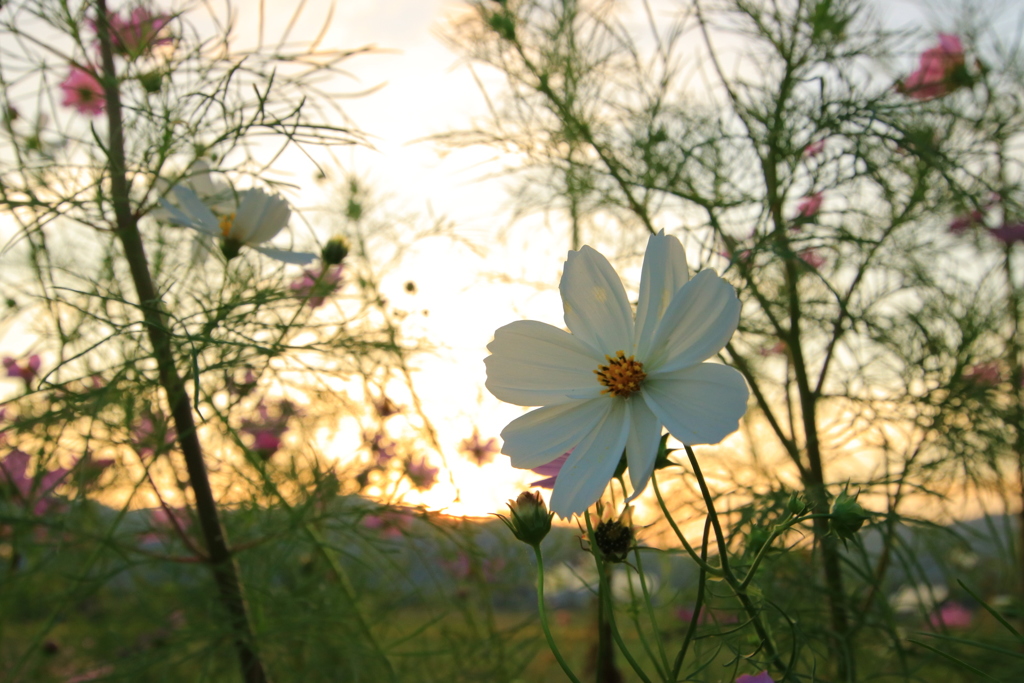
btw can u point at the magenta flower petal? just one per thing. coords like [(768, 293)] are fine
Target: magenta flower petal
[(1009, 233), (550, 471), (762, 677), (83, 92)]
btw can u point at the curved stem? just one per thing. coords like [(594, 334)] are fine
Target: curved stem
[(650, 612), (544, 618), (606, 595), (221, 560), (702, 579), (738, 589), (605, 598), (701, 559)]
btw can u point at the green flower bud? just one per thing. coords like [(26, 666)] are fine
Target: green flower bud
[(797, 506), (152, 81), (846, 516), (335, 251), (230, 248), (503, 25), (353, 210), (756, 539), (530, 521)]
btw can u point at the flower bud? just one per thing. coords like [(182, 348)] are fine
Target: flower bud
[(230, 248), (847, 516), (797, 506), (152, 81), (757, 538), (614, 538), (530, 521), (335, 251), (354, 210), (503, 24)]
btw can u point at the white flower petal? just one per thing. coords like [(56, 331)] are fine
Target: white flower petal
[(202, 246), (596, 308), (248, 215), (541, 435), (699, 405), (699, 321), (642, 445), (664, 273), (535, 364), (275, 218), (300, 258), (260, 217), (202, 218), (173, 214), (588, 470), (200, 180)]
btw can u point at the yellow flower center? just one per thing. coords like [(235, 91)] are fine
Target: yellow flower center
[(623, 376), (225, 224)]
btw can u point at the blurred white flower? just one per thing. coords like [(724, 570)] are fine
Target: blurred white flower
[(612, 382), (258, 218), (915, 598)]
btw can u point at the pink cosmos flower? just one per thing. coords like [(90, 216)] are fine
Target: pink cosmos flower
[(951, 615), (478, 450), (762, 677), (1009, 234), (934, 75), (26, 371), (138, 34), (461, 568), (741, 256), (422, 475), (267, 431), (33, 494), (382, 448), (316, 285), (778, 349), (152, 435), (83, 92), (984, 373), (809, 206), (390, 523), (812, 258), (960, 224), (814, 149), (550, 471)]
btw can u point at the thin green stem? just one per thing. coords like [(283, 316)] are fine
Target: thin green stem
[(650, 614), (348, 591), (702, 579), (544, 618), (738, 590), (701, 560), (776, 532), (606, 595), (221, 560), (605, 598)]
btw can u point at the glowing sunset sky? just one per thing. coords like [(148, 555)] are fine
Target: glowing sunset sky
[(427, 90)]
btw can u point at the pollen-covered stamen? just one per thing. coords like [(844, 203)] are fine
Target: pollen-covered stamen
[(623, 376), (226, 222)]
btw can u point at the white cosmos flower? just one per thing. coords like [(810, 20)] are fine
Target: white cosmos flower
[(612, 381), (257, 219)]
